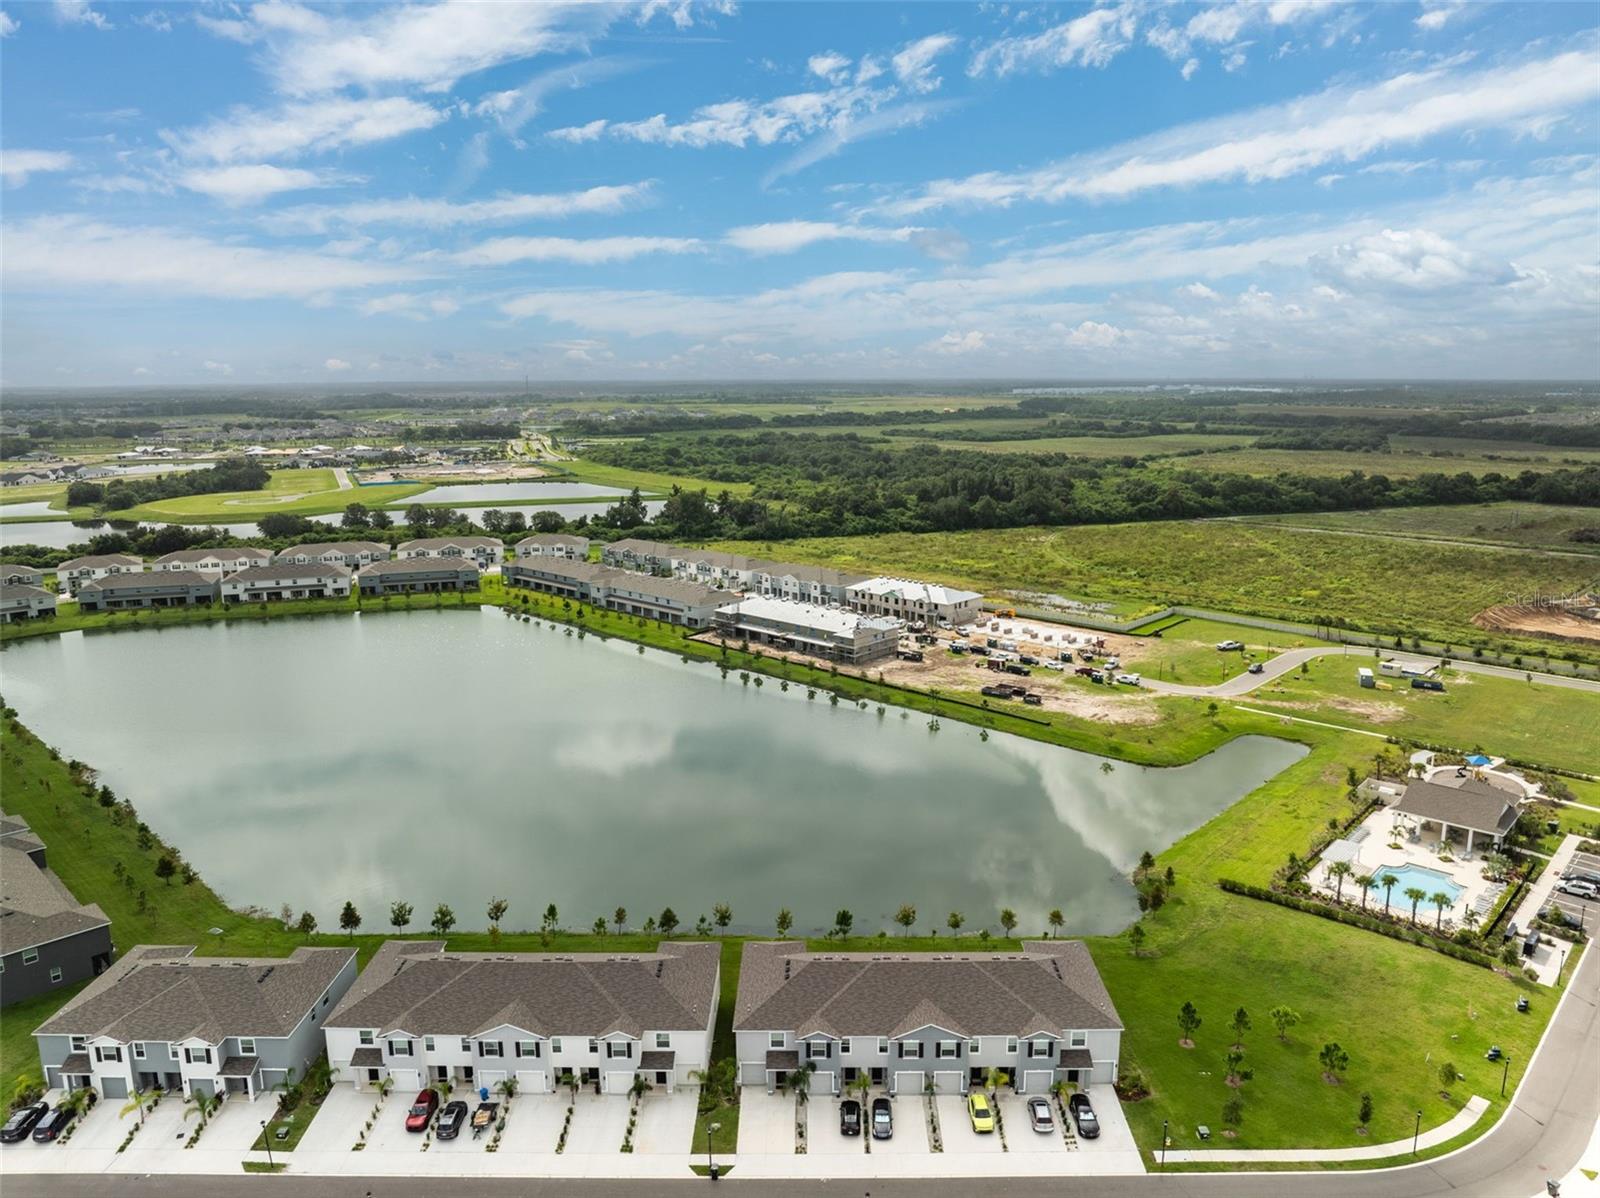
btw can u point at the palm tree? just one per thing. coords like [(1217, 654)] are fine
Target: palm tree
[(994, 1078), (1062, 1090), (863, 1083), (1339, 871), (202, 1104), (1364, 881), (1388, 882), (27, 1085), (1055, 919), (641, 1086), (1471, 918), (508, 1087), (141, 1101), (800, 1082), (79, 1100), (1441, 900), (1416, 894)]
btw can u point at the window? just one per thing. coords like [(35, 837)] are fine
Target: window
[(79, 1043), (138, 1050), (104, 1053), (488, 1048), (663, 1039), (247, 1046), (844, 1046), (399, 1048), (594, 1046), (1078, 1039), (911, 1049), (466, 1044), (197, 1056), (624, 1049), (29, 956), (1038, 1048), (555, 1045), (883, 1046), (527, 1048), (974, 1047), (1011, 1046), (55, 973), (816, 1049), (775, 1040), (365, 1036), (949, 1049)]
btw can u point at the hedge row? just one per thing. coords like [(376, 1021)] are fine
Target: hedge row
[(1356, 919)]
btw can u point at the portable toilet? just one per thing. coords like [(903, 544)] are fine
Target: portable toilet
[(1364, 674)]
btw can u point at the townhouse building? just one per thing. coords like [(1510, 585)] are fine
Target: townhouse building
[(164, 588), (419, 1014), (47, 938), (96, 566), (914, 602), (21, 601), (279, 580), (485, 551), (418, 574), (673, 600), (351, 554), (834, 633), (554, 544), (213, 563), (12, 574)]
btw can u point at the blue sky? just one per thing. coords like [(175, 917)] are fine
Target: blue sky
[(293, 193)]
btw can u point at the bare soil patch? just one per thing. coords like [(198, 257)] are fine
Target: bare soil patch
[(1552, 622), (1374, 710)]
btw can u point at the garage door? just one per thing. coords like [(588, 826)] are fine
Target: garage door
[(908, 1081), (114, 1087), (947, 1082), (532, 1081), (407, 1082), (1036, 1081), (617, 1081), (488, 1079)]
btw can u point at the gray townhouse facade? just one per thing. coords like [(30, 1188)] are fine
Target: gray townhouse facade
[(23, 601), (278, 581), (673, 600), (352, 554), (162, 1018), (420, 1015), (418, 575), (80, 570), (47, 938), (485, 551), (554, 544), (213, 563), (165, 588), (834, 633), (13, 575), (817, 585), (917, 1021), (632, 553)]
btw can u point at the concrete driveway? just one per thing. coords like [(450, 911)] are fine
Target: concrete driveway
[(766, 1123), (337, 1124), (666, 1122), (598, 1124), (534, 1124), (956, 1127), (823, 1137), (1020, 1136), (1114, 1148), (910, 1126)]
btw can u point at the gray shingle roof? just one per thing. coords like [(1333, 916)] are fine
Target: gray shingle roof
[(289, 572), (164, 580), (1052, 985), (553, 538), (1482, 810), (232, 554), (99, 561), (466, 542), (163, 992), (420, 565), (15, 592), (35, 906), (612, 579), (318, 548), (420, 989)]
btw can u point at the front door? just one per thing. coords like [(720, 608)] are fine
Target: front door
[(879, 1075)]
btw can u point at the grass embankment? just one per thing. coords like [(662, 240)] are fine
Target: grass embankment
[(1422, 589), (1335, 463)]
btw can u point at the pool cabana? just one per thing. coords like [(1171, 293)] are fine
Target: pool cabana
[(1479, 813)]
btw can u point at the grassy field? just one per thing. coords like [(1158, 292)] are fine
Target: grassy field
[(1522, 525), (35, 493), (293, 492), (648, 482), (1103, 447), (1424, 589), (1335, 463), (1475, 447), (1187, 652)]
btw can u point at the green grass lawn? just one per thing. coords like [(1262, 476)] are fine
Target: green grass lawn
[(311, 492), (1188, 652), (648, 482), (1523, 525)]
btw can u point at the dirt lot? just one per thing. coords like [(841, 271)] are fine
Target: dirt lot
[(1550, 622)]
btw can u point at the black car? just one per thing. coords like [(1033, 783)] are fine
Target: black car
[(882, 1119), (849, 1117), (20, 1124), (1083, 1115), (50, 1127), (451, 1120)]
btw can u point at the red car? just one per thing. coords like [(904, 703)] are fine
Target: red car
[(421, 1112)]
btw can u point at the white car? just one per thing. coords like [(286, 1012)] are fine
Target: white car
[(1578, 888), (1128, 679), (1229, 646)]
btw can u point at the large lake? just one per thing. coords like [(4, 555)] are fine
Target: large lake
[(450, 756)]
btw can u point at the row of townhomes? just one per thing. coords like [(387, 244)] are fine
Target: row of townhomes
[(827, 613), (25, 601), (674, 600), (419, 1014), (47, 938)]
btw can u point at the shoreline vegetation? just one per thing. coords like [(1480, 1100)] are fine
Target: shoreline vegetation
[(1200, 944)]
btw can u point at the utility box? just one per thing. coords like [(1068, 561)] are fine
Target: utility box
[(1366, 678)]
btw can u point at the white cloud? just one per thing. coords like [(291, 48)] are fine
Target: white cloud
[(313, 126), (514, 108), (1094, 334), (578, 134), (1436, 14), (336, 364), (1411, 260), (70, 252), (913, 66), (960, 343), (8, 24), (17, 166), (141, 370), (592, 251), (830, 66), (249, 184), (78, 12), (444, 214), (1189, 68), (1090, 40), (848, 129), (221, 368), (785, 237), (1339, 125), (1199, 291)]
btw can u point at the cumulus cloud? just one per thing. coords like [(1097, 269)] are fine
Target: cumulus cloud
[(1093, 334), (336, 364), (829, 65), (913, 66), (212, 367), (17, 166), (1436, 14), (8, 24), (78, 12), (961, 343), (445, 214), (591, 251), (1410, 260), (1199, 291)]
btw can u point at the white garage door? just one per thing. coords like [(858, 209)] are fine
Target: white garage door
[(1036, 1081), (532, 1081), (907, 1082), (947, 1081), (407, 1082), (488, 1079), (618, 1081)]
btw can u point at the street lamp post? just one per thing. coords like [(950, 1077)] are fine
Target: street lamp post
[(267, 1140), (1505, 1073), (711, 1168), (1163, 1143), (1561, 966), (1417, 1134)]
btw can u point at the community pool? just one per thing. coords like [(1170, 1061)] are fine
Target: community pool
[(1430, 881)]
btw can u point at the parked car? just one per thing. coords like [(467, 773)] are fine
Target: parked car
[(1230, 646), (23, 1122), (1040, 1117), (882, 1119), (1028, 659), (980, 1112), (1580, 888), (1254, 667), (1033, 700), (1083, 1115), (451, 1120), (1129, 679), (421, 1112), (849, 1117), (49, 1128)]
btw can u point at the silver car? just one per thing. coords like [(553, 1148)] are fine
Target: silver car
[(1040, 1117)]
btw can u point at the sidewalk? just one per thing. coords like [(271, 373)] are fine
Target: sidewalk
[(1455, 1126), (1547, 960)]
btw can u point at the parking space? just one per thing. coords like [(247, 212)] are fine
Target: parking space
[(1020, 1136), (102, 1129), (598, 1124), (165, 1129), (823, 1137), (534, 1124), (1115, 1135), (910, 1126), (235, 1126), (766, 1123), (389, 1134), (338, 1122), (666, 1122), (956, 1127)]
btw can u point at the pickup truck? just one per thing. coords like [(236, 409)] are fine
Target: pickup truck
[(1230, 646), (1129, 679)]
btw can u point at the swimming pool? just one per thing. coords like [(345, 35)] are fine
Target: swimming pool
[(1429, 881)]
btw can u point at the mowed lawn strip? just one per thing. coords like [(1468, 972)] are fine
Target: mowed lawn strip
[(310, 492)]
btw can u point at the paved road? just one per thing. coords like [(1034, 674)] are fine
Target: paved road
[(1290, 659), (1547, 1129), (342, 477)]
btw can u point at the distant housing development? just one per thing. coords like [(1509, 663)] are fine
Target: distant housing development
[(420, 1015), (212, 561), (915, 1021), (47, 938), (485, 551), (353, 554), (673, 600)]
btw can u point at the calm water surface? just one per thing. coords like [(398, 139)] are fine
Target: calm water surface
[(509, 492), (439, 756)]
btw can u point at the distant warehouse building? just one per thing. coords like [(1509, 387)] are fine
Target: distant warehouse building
[(165, 588), (673, 600), (414, 575), (914, 602), (829, 632), (286, 580), (19, 601)]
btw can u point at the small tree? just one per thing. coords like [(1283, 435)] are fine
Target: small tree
[(1233, 1111), (307, 924), (1335, 1061), (1339, 871), (349, 919), (1237, 1074), (1055, 919), (1188, 1024), (906, 917), (843, 922), (722, 916), (668, 922), (784, 922), (954, 923), (1283, 1018), (399, 916), (166, 867), (620, 918), (496, 911), (443, 919), (1440, 901), (1364, 882), (1364, 1115), (599, 925), (1240, 1023), (1136, 938), (549, 924), (1448, 1076), (1008, 920), (1388, 882)]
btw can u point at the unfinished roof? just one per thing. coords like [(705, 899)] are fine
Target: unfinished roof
[(416, 987), (911, 591), (1051, 986), (163, 992), (1482, 810), (836, 621)]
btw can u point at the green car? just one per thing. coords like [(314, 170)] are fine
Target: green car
[(980, 1112)]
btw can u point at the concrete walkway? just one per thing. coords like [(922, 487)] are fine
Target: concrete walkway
[(1295, 719), (1548, 960), (342, 477), (1448, 1130)]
